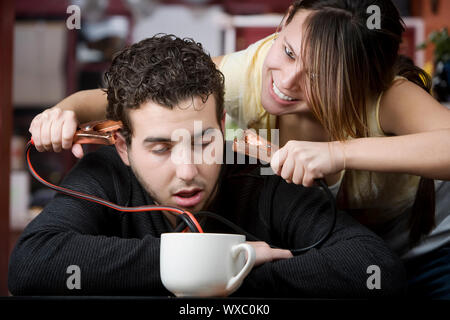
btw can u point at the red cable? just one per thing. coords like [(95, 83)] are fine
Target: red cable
[(104, 202)]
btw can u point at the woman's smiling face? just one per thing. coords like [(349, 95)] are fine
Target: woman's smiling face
[(283, 69)]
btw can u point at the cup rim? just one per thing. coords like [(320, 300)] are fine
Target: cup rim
[(203, 234)]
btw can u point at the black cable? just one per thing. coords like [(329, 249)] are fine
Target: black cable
[(184, 216), (323, 185), (228, 223), (251, 237), (188, 222)]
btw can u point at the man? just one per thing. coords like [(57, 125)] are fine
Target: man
[(160, 88)]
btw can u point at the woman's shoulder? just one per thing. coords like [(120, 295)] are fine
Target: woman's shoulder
[(245, 57), (399, 84), (398, 88)]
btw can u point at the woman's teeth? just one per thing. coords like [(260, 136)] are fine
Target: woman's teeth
[(280, 94)]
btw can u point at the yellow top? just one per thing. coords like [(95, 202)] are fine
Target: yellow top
[(374, 197), (378, 197), (243, 74)]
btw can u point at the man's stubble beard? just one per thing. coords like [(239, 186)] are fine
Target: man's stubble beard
[(158, 201)]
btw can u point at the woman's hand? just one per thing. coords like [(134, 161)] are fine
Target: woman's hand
[(53, 130), (301, 162)]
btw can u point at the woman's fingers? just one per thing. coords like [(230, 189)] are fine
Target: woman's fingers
[(55, 135), (35, 130), (310, 175), (287, 170), (77, 150), (68, 130), (53, 130), (278, 159), (301, 162), (297, 177), (45, 132)]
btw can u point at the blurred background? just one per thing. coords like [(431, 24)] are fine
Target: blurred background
[(52, 48)]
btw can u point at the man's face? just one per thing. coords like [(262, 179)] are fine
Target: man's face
[(170, 170)]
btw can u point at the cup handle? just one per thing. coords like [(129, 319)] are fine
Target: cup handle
[(235, 281)]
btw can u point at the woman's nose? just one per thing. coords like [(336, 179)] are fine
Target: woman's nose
[(291, 77)]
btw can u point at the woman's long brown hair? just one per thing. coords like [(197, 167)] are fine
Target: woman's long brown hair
[(347, 64)]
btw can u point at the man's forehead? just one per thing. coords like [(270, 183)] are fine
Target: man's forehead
[(154, 120)]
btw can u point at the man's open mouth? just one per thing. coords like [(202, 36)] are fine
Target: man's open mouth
[(189, 198)]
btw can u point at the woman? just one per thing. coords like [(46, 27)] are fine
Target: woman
[(349, 109)]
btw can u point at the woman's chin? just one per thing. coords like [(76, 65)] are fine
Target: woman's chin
[(279, 110)]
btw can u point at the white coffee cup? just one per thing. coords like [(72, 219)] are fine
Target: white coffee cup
[(204, 264)]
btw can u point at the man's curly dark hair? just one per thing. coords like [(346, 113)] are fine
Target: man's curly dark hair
[(164, 69)]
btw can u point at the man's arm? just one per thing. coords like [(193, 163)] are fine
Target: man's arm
[(341, 267), (75, 232)]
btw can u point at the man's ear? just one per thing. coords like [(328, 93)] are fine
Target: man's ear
[(122, 148)]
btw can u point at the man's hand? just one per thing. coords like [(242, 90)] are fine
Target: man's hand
[(264, 253)]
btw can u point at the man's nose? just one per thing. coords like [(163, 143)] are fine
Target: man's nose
[(183, 159), (186, 171)]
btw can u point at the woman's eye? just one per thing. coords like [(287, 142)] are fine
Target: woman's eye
[(289, 53)]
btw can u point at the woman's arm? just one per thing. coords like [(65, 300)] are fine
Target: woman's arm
[(54, 128), (420, 143), (424, 154), (88, 105)]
